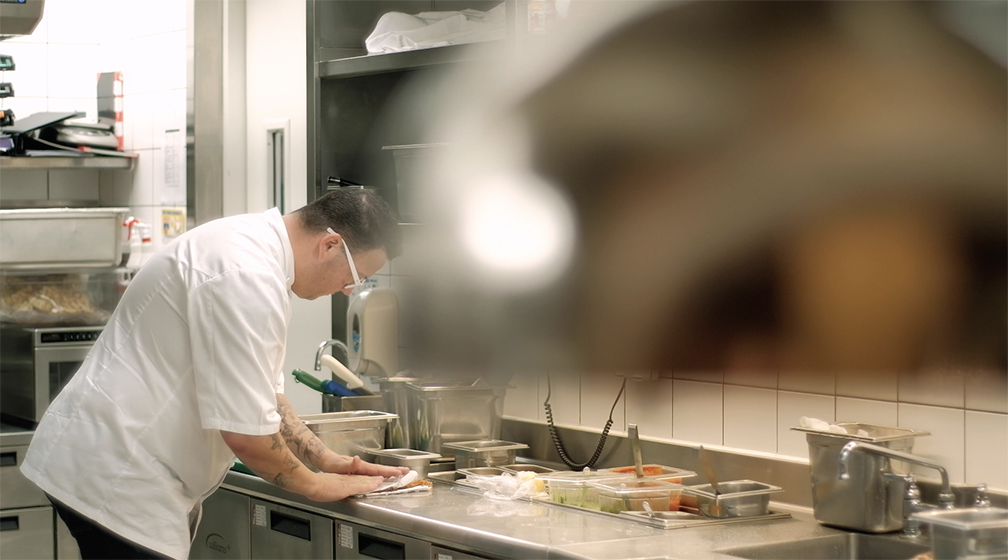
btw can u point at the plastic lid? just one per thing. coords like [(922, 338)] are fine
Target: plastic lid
[(635, 487)]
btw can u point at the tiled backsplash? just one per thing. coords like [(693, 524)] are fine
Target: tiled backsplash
[(56, 70), (966, 412)]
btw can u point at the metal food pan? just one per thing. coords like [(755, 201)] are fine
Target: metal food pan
[(61, 237), (488, 453), (738, 498), (354, 432)]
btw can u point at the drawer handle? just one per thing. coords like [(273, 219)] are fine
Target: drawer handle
[(376, 547), (9, 523), (8, 459), (289, 525)]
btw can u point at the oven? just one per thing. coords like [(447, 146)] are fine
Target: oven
[(35, 364)]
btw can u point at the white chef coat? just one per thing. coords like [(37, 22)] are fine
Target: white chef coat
[(196, 345)]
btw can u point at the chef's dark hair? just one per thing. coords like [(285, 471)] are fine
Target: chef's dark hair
[(364, 219)]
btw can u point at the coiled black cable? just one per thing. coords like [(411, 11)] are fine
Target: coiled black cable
[(558, 441)]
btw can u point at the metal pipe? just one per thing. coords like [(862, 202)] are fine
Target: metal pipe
[(945, 496), (335, 343)]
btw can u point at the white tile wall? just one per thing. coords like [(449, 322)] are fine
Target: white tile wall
[(523, 401), (697, 411), (987, 448), (947, 443), (598, 394), (649, 405), (880, 413), (750, 418)]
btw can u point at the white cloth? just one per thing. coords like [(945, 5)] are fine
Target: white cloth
[(397, 31), (196, 345)]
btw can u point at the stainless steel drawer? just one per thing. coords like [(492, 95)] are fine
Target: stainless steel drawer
[(27, 533), (224, 527), (16, 491), (282, 532)]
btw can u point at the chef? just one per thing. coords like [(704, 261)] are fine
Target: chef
[(187, 375)]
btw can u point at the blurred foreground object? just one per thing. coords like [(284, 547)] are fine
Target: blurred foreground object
[(743, 185)]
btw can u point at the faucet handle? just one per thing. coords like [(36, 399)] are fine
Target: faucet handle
[(982, 501)]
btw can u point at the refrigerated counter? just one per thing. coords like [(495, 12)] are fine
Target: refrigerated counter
[(250, 518)]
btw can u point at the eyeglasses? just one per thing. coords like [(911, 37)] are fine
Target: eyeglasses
[(357, 281)]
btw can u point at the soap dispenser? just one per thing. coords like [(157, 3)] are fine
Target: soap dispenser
[(372, 325)]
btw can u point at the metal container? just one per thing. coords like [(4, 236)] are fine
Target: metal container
[(452, 411), (356, 432), (38, 238), (418, 461), (738, 498), (482, 471), (486, 453), (969, 533), (520, 467), (871, 499)]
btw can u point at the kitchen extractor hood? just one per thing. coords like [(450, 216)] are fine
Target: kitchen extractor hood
[(19, 17)]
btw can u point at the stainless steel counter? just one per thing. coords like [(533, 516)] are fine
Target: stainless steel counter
[(462, 519)]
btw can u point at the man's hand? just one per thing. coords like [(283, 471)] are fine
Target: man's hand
[(354, 465), (334, 487)]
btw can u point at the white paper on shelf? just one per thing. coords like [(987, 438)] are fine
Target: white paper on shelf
[(397, 31)]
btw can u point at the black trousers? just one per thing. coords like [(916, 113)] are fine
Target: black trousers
[(96, 542)]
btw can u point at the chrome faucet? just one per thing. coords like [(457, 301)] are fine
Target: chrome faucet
[(335, 343), (911, 496)]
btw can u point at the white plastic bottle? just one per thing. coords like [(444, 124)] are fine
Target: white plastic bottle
[(146, 242), (135, 244)]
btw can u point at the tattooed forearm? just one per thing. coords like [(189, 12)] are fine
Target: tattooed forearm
[(281, 480), (277, 442), (298, 437)]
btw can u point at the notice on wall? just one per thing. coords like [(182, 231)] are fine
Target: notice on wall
[(173, 222), (174, 190)]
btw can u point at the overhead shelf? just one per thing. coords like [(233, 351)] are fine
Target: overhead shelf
[(66, 162), (407, 60)]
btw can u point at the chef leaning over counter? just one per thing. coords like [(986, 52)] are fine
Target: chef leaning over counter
[(188, 375)]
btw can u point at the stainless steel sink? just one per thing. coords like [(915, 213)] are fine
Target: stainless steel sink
[(847, 546)]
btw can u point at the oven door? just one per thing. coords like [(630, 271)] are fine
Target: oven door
[(54, 366)]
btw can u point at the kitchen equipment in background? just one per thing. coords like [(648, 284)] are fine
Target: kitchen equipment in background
[(486, 453), (45, 298), (36, 363), (714, 507), (61, 237), (411, 165), (396, 399), (736, 498), (977, 533), (372, 321), (453, 411), (418, 461), (350, 433), (871, 498), (77, 134), (20, 17)]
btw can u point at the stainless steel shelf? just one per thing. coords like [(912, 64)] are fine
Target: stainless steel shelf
[(406, 60), (71, 162)]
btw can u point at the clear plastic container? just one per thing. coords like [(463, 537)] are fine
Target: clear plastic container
[(64, 298), (574, 487), (629, 495), (657, 472)]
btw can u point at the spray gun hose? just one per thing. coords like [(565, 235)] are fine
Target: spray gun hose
[(558, 441)]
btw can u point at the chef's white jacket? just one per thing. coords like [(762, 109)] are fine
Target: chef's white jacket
[(196, 345)]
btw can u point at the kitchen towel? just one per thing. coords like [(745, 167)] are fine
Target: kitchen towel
[(397, 31)]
